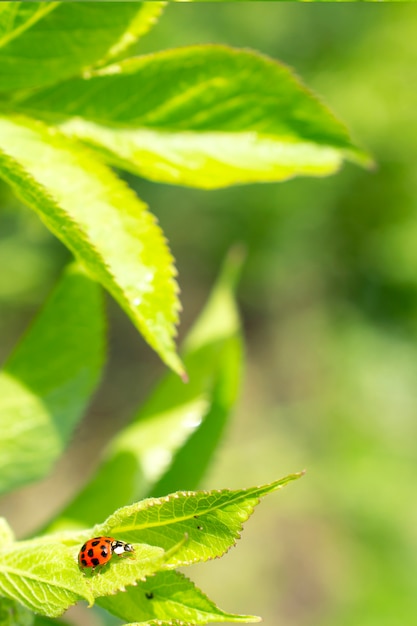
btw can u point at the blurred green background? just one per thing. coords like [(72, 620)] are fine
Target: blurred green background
[(329, 305)]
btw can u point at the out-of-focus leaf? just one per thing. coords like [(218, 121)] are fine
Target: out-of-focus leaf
[(215, 343), (146, 16), (43, 42), (171, 440), (101, 220), (14, 614), (204, 116), (6, 533), (48, 381)]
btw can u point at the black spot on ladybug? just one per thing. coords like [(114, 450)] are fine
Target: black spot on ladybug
[(96, 542), (149, 595), (83, 548), (104, 553), (95, 562), (84, 562), (90, 552)]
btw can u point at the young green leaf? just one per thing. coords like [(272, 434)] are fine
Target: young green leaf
[(205, 116), (42, 575), (172, 438), (44, 42), (148, 13), (49, 379), (211, 520), (170, 598), (124, 571), (101, 220)]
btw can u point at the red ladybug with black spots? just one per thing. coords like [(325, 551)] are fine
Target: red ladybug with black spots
[(98, 551)]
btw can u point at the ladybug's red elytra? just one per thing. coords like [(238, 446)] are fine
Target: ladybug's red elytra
[(98, 551)]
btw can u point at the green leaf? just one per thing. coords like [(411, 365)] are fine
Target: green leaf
[(44, 42), (205, 116), (6, 533), (214, 356), (211, 520), (14, 614), (183, 528), (41, 620), (101, 220), (42, 575), (147, 15), (170, 598), (121, 572), (173, 437), (49, 379)]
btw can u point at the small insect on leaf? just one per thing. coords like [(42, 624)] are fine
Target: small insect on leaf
[(98, 551)]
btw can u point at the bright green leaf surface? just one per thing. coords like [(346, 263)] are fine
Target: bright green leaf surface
[(205, 116), (43, 42), (211, 520), (124, 571), (42, 575), (101, 220), (169, 597), (48, 381), (146, 16), (180, 529), (172, 438)]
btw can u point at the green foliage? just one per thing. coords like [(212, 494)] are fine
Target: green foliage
[(205, 116), (31, 33), (159, 116), (170, 441), (100, 220), (42, 574), (201, 116), (49, 379), (177, 530), (170, 598)]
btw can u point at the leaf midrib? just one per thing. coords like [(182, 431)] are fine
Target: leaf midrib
[(24, 574), (235, 500), (48, 7)]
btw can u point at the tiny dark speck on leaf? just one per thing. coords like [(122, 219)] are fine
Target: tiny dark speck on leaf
[(149, 595)]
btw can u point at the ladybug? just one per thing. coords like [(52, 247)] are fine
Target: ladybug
[(98, 551)]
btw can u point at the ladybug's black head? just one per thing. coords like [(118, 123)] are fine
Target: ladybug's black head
[(119, 547)]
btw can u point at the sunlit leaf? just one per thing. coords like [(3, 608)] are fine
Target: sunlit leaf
[(204, 116), (211, 521), (43, 42), (101, 220), (173, 437), (170, 598), (42, 576)]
